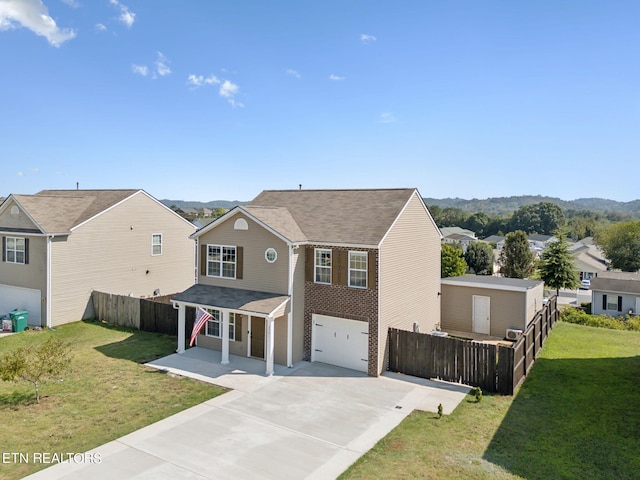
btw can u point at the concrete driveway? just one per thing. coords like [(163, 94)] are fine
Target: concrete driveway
[(311, 421)]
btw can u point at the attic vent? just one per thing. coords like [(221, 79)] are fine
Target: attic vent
[(241, 224), (15, 210)]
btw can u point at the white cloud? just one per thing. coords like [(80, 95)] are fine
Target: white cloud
[(200, 80), (100, 27), (20, 174), (335, 77), (293, 73), (71, 3), (387, 118), (126, 16), (162, 68), (364, 38), (140, 69), (34, 15), (229, 90)]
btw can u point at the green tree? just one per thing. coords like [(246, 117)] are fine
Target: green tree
[(35, 364), (452, 264), (477, 223), (516, 259), (543, 218), (479, 258), (557, 269), (620, 243)]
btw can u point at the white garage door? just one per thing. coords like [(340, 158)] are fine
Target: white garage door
[(23, 299), (341, 342)]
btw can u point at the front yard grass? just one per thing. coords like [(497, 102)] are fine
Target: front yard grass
[(107, 393), (576, 416)]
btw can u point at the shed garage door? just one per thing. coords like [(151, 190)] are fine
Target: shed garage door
[(341, 342), (23, 299)]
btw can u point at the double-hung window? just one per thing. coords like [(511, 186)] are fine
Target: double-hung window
[(221, 261), (322, 266), (15, 250), (358, 269), (214, 325), (156, 244)]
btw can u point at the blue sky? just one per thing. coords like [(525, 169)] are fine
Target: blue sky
[(204, 100)]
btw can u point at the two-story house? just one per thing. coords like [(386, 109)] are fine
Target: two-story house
[(318, 275), (60, 245)]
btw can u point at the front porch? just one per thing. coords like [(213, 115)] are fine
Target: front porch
[(245, 317)]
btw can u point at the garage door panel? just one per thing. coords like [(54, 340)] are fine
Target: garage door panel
[(341, 342), (23, 299)]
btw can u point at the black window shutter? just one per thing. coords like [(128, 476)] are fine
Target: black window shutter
[(308, 264), (604, 302), (619, 303), (4, 249), (26, 251), (238, 327), (203, 260), (239, 262)]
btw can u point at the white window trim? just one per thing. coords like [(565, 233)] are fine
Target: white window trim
[(316, 266), (365, 270), (15, 251), (153, 235), (216, 317), (222, 262), (266, 254)]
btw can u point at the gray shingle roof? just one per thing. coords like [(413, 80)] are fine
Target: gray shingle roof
[(335, 216), (58, 211), (621, 282)]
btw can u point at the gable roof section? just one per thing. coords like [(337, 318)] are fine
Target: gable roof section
[(360, 217), (279, 219), (620, 282)]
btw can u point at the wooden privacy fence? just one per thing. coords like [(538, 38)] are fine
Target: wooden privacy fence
[(148, 315), (494, 368)]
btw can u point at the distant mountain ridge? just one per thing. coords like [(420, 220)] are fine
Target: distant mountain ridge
[(213, 204), (490, 206), (508, 205)]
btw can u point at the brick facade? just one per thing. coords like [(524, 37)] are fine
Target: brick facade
[(344, 302)]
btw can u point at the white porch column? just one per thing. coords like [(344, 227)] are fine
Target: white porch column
[(225, 337), (181, 328), (270, 341), (290, 340)]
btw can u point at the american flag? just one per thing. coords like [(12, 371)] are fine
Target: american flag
[(202, 317)]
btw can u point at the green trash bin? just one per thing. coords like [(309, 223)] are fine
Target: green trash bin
[(19, 320)]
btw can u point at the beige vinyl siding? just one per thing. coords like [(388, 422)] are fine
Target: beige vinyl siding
[(32, 275), (112, 253), (409, 275), (257, 273), (508, 308)]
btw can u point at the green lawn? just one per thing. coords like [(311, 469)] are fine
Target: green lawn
[(576, 416), (107, 393)]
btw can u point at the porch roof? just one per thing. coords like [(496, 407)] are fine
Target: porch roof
[(250, 301)]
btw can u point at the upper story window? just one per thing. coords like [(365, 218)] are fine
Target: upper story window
[(358, 269), (322, 266), (156, 244), (15, 250), (221, 261), (214, 326)]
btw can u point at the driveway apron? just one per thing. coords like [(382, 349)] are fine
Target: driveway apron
[(307, 422)]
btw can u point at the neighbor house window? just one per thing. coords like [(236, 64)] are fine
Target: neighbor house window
[(214, 326), (358, 269), (221, 261), (15, 250), (156, 244), (322, 266), (612, 302)]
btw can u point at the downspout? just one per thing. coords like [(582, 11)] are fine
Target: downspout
[(290, 315), (48, 288)]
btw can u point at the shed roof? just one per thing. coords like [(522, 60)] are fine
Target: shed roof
[(497, 283)]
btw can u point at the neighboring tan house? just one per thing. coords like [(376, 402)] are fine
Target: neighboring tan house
[(588, 259), (489, 306), (60, 245), (318, 275), (615, 293)]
